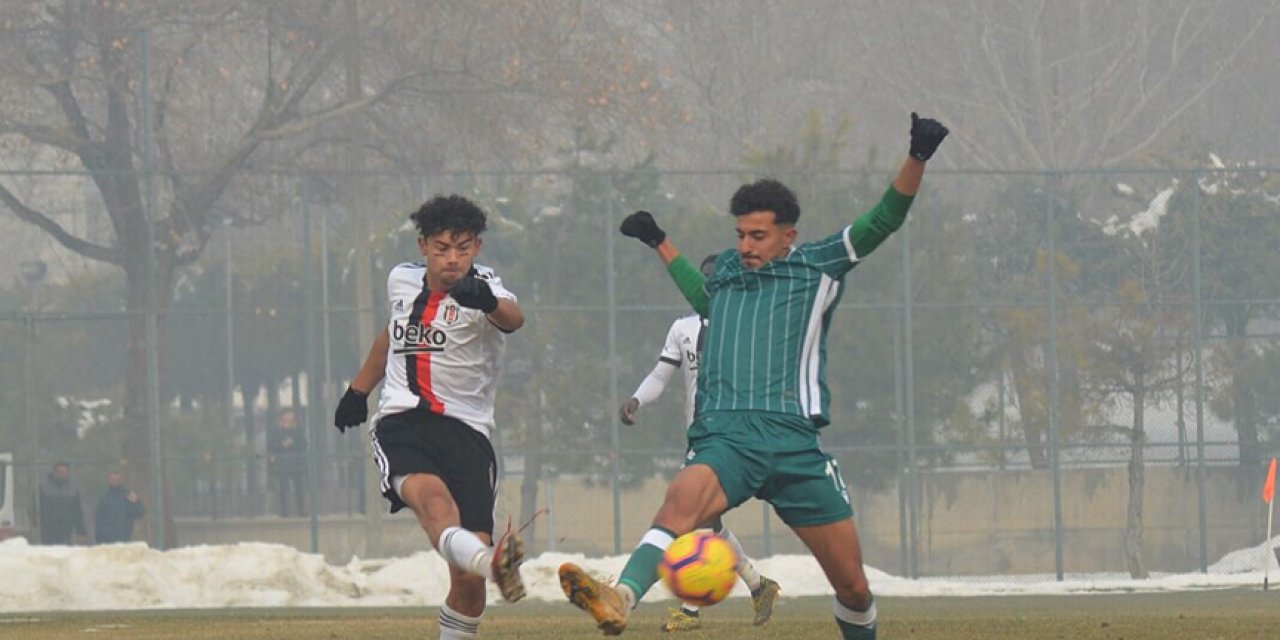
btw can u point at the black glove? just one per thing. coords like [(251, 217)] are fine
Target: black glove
[(474, 293), (352, 410), (641, 226), (926, 135)]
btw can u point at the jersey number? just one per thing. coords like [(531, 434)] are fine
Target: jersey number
[(833, 472)]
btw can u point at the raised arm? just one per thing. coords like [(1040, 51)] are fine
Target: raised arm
[(873, 227), (641, 226)]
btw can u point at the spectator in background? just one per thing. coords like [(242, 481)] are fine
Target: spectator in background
[(288, 452), (117, 510), (61, 510)]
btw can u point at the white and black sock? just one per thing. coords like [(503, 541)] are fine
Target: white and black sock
[(465, 550), (746, 569), (455, 626), (854, 624)]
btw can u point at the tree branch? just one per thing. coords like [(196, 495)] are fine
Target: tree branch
[(89, 151), (46, 135), (1190, 101), (59, 233)]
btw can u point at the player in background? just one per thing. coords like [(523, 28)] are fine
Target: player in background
[(439, 358), (762, 392), (680, 352)]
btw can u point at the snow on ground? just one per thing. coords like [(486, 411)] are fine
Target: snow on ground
[(133, 576)]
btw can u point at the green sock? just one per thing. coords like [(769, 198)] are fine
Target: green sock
[(642, 567), (854, 624), (851, 631)]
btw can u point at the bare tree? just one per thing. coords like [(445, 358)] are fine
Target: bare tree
[(84, 66), (1132, 363), (232, 87), (1081, 83)]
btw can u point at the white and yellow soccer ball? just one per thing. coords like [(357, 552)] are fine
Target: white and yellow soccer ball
[(699, 568)]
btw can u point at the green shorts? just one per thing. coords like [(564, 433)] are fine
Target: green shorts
[(774, 457)]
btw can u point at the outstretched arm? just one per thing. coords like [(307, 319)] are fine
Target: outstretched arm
[(641, 226), (873, 227), (650, 388)]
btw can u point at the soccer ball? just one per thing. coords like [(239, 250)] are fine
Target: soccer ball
[(700, 568)]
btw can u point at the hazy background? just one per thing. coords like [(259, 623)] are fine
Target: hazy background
[(1067, 361)]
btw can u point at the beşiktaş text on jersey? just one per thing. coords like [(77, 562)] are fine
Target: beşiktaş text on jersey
[(681, 350), (443, 356)]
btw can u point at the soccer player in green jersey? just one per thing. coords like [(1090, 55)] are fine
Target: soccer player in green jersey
[(762, 389)]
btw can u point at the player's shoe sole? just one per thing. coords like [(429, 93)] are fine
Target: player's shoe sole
[(600, 600), (508, 555), (763, 599)]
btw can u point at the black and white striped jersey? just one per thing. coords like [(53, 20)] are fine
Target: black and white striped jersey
[(443, 357)]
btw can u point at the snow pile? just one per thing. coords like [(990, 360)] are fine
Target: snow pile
[(133, 576)]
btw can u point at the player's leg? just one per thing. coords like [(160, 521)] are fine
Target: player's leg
[(839, 553), (469, 554), (809, 495), (746, 568), (718, 476), (688, 617), (446, 473), (693, 496), (464, 605), (431, 501), (764, 591)]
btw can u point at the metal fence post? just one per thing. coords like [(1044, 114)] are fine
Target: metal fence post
[(908, 368), (1201, 519), (152, 331), (900, 448), (1054, 390), (611, 296), (311, 417)]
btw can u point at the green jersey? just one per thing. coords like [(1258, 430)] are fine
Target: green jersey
[(765, 347)]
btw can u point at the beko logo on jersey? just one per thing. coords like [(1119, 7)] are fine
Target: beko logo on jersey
[(417, 338)]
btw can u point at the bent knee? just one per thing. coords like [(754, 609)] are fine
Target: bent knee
[(468, 580), (854, 593)]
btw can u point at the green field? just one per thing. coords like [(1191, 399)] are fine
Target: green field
[(1208, 615)]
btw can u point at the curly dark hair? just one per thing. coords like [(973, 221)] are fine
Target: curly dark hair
[(708, 265), (766, 194), (449, 213)]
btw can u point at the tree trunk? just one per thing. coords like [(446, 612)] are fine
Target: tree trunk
[(1245, 410), (138, 447), (1133, 521), (1030, 411), (1236, 325)]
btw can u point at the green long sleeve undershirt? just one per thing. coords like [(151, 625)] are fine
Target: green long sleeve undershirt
[(873, 227), (866, 233), (691, 283)]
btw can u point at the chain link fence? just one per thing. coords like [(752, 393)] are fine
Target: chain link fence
[(1043, 373)]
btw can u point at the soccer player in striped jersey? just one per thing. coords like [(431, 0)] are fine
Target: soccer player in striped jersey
[(439, 358), (762, 393), (681, 352)]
